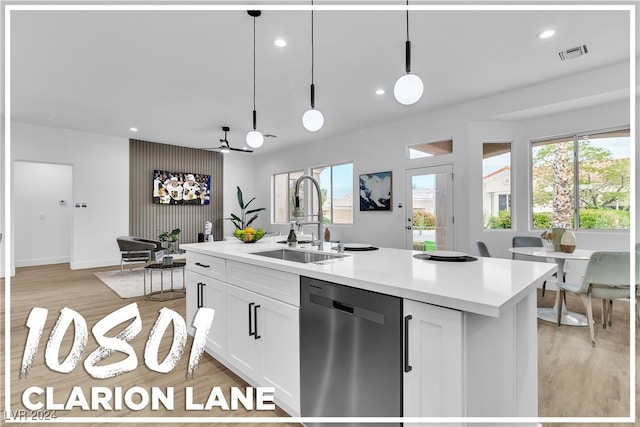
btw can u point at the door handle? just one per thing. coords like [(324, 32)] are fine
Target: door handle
[(255, 322), (251, 333), (200, 294), (407, 367), (408, 227)]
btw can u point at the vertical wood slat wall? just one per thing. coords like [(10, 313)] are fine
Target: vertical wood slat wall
[(147, 219)]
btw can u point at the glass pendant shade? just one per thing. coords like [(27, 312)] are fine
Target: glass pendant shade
[(254, 139), (408, 89), (312, 120)]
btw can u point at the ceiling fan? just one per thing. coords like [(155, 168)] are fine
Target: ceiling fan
[(224, 144)]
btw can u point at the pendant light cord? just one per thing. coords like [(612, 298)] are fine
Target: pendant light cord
[(254, 64), (312, 44), (407, 20), (407, 45)]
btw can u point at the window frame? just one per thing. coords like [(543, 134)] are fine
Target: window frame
[(288, 196), (511, 186), (575, 137), (311, 195)]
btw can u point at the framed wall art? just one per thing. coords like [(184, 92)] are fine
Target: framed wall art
[(375, 191)]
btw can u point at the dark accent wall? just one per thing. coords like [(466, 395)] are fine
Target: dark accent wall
[(147, 219)]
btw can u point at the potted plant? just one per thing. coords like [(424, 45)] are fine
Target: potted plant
[(171, 239), (244, 220)]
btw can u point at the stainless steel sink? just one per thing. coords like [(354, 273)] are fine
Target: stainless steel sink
[(298, 256)]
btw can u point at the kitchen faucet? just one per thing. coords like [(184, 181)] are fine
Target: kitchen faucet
[(297, 208)]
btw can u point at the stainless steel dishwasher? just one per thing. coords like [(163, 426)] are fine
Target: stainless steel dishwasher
[(350, 353)]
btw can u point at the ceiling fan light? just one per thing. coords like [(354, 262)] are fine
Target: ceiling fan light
[(408, 89), (312, 120), (254, 139)]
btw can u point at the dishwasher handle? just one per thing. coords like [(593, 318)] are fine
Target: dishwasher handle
[(342, 307)]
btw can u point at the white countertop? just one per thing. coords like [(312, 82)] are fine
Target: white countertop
[(486, 286)]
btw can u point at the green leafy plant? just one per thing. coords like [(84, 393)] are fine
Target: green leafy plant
[(171, 237), (244, 220)]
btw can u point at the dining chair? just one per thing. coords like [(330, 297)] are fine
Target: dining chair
[(526, 242), (482, 249), (606, 277)]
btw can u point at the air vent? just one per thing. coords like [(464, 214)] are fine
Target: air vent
[(574, 52)]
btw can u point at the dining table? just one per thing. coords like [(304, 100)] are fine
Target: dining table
[(550, 314)]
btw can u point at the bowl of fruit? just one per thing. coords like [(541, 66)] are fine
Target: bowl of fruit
[(249, 235)]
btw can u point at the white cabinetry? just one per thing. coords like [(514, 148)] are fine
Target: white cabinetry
[(203, 291), (433, 383), (263, 343), (255, 330), (468, 365)]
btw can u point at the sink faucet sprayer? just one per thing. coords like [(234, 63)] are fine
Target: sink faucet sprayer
[(297, 208)]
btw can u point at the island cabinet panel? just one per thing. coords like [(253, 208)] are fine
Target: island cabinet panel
[(264, 343), (276, 284), (208, 265), (203, 291), (433, 371)]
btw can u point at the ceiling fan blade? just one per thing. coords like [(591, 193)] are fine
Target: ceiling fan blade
[(240, 149)]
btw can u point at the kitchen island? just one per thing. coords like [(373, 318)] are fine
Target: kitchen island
[(471, 325)]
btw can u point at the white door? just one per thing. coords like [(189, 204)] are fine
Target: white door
[(43, 212), (279, 327), (429, 208), (244, 348), (433, 371)]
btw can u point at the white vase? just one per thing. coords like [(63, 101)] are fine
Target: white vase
[(548, 246), (568, 242)]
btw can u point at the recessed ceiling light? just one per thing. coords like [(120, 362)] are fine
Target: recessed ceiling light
[(133, 129), (546, 34), (280, 43), (380, 92)]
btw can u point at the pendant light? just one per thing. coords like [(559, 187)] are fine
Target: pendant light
[(408, 89), (254, 137), (312, 120)]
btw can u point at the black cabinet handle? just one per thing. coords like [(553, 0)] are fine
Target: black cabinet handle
[(251, 333), (202, 265), (255, 322), (200, 294), (407, 367)]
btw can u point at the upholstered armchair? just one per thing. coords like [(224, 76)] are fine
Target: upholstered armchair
[(136, 249)]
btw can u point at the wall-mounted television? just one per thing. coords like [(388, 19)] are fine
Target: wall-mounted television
[(181, 188)]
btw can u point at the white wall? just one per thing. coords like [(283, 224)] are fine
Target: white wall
[(42, 194), (100, 179), (374, 149), (239, 172), (383, 148)]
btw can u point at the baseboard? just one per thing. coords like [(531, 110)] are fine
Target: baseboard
[(41, 261)]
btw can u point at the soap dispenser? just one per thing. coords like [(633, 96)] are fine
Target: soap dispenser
[(292, 241)]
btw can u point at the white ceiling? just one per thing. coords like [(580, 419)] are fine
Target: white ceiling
[(179, 76)]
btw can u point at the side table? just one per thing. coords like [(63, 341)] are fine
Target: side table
[(164, 294)]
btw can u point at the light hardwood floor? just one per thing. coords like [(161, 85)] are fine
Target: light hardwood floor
[(574, 379)]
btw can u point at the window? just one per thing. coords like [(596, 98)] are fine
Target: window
[(336, 188), (429, 149), (496, 185), (283, 200), (582, 181)]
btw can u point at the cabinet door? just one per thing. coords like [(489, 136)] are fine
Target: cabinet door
[(203, 291), (192, 298), (278, 327), (433, 379), (244, 347)]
